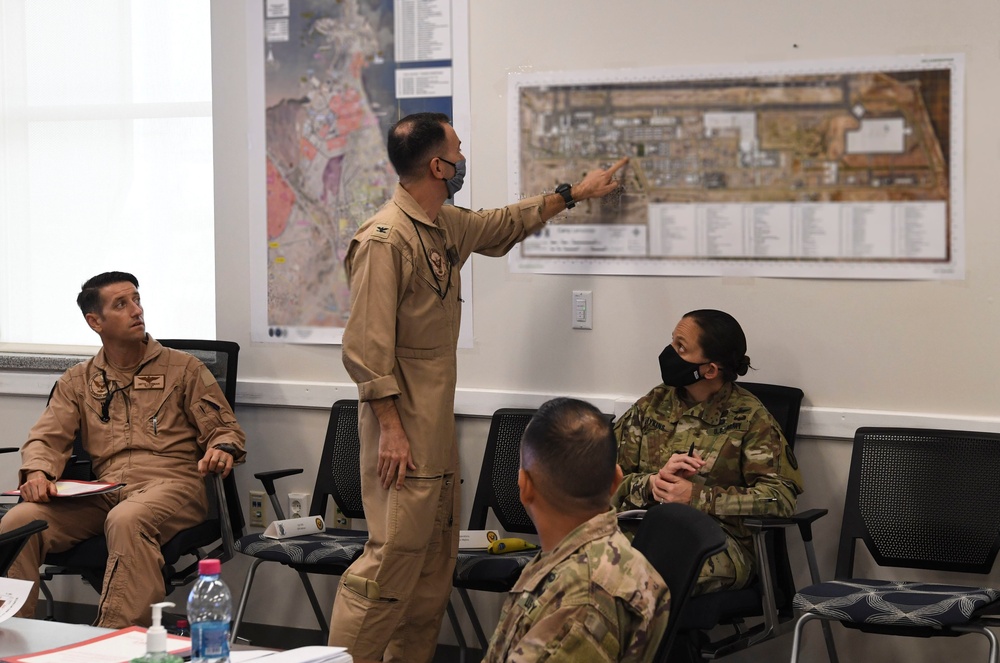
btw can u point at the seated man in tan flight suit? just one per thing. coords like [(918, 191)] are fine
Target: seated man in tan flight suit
[(150, 417)]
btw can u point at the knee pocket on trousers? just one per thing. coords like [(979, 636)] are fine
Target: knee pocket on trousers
[(364, 600), (414, 511)]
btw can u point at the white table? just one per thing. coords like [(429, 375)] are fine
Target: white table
[(23, 636)]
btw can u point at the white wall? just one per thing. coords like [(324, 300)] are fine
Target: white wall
[(913, 351), (906, 348), (850, 344)]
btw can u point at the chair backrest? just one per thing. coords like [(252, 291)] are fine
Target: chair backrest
[(339, 473), (497, 488), (782, 402), (677, 539), (222, 360), (923, 499), (13, 541)]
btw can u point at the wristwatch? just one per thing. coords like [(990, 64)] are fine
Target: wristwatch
[(566, 191)]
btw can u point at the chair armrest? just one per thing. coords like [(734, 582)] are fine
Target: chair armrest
[(802, 520), (228, 544), (268, 478)]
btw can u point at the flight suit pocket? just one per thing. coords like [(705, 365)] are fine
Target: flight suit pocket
[(415, 510), (213, 413)]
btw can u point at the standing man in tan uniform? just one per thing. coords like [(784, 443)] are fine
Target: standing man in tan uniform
[(399, 347), (150, 417)]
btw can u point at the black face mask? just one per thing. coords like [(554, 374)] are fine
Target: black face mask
[(676, 372)]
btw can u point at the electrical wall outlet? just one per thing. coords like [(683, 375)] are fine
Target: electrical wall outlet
[(258, 510), (339, 519), (298, 505)]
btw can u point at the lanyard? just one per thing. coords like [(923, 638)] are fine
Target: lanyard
[(437, 284)]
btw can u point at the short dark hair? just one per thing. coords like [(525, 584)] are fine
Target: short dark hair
[(413, 139), (722, 341), (569, 450), (89, 299)]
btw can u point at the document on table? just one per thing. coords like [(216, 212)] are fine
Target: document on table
[(311, 654), (13, 594), (118, 647), (72, 488)]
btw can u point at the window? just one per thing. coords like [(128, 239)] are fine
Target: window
[(105, 163)]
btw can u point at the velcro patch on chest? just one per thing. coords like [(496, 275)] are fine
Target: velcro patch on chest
[(150, 382)]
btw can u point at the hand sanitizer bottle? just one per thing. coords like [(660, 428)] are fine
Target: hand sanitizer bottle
[(156, 639)]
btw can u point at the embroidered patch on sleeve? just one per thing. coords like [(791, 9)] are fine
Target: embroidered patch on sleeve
[(381, 231)]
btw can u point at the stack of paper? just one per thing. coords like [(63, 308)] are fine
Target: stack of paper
[(314, 654), (72, 488)]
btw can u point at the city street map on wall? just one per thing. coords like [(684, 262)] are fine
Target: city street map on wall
[(839, 169), (337, 74)]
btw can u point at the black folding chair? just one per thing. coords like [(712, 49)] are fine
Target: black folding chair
[(677, 539), (330, 552), (213, 538), (917, 499), (767, 601), (497, 490), (11, 542)]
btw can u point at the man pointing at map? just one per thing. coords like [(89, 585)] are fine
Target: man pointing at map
[(399, 347)]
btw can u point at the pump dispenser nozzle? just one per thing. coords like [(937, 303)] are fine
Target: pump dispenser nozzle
[(156, 638)]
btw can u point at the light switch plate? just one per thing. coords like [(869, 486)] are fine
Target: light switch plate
[(583, 309)]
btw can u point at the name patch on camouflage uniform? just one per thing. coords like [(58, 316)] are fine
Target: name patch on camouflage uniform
[(381, 231), (736, 425), (150, 382)]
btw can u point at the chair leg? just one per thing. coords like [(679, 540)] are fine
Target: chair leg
[(989, 636), (463, 647), (797, 639), (324, 625), (831, 649), (476, 626), (244, 595), (50, 606)]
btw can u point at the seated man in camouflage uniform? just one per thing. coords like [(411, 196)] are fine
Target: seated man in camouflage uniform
[(699, 439), (589, 596)]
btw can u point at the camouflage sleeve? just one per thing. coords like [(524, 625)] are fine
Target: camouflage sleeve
[(570, 634), (766, 483), (634, 491)]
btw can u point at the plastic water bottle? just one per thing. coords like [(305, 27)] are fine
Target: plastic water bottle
[(210, 609)]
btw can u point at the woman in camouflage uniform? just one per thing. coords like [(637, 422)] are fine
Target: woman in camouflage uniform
[(700, 439)]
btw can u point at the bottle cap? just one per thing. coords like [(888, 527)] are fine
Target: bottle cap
[(209, 567), (156, 635)]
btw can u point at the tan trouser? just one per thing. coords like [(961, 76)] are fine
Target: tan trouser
[(392, 599), (135, 520)]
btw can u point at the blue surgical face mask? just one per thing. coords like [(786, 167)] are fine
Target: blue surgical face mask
[(455, 182)]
